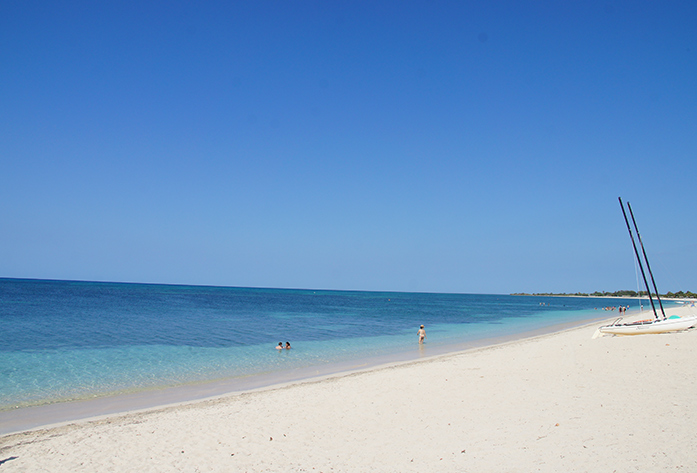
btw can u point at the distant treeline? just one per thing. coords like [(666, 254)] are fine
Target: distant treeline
[(678, 295)]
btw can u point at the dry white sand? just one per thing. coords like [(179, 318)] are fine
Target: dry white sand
[(559, 402)]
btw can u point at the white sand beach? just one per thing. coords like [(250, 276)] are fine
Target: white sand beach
[(558, 402)]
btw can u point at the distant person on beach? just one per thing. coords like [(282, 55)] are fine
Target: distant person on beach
[(287, 345), (279, 346), (422, 334)]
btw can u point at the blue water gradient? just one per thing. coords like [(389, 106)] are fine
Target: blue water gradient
[(73, 340)]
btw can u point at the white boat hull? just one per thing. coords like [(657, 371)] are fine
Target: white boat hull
[(658, 326)]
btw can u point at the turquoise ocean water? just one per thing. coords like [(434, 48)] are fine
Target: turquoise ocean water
[(75, 340)]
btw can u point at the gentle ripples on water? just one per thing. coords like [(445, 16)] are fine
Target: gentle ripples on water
[(65, 340)]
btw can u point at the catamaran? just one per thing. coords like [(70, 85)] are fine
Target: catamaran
[(662, 324)]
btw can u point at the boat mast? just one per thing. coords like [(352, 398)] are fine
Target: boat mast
[(636, 252), (653, 281)]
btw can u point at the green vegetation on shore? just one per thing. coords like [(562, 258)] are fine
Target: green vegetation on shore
[(668, 295)]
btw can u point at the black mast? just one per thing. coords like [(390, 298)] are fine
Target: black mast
[(636, 252), (653, 281)]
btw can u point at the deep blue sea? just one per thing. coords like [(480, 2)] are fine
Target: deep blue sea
[(66, 340)]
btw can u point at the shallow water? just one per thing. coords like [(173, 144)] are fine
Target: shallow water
[(77, 340)]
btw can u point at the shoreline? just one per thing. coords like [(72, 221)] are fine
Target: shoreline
[(559, 401), (677, 300), (50, 415)]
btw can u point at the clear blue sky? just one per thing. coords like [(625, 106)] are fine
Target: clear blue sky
[(474, 147)]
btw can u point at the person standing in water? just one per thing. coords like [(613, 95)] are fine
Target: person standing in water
[(422, 334)]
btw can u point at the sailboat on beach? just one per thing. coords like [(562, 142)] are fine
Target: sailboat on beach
[(658, 324)]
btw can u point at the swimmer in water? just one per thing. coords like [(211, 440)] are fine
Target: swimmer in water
[(422, 334)]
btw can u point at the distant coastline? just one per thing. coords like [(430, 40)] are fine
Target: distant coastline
[(622, 294)]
